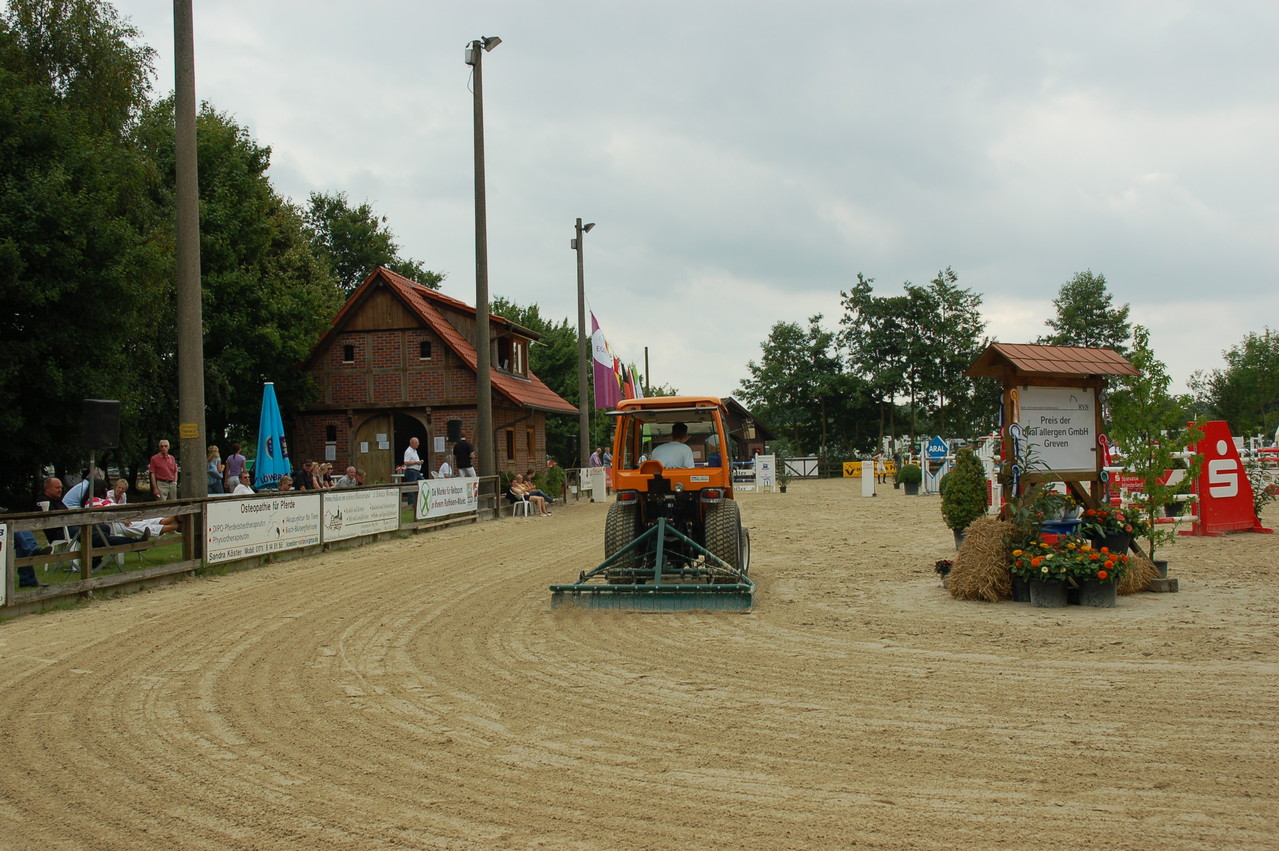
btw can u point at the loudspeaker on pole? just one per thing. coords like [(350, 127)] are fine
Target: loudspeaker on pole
[(455, 430), (101, 424)]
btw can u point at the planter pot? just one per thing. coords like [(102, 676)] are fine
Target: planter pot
[(1047, 595), (912, 488), (959, 538), (1098, 594), (1021, 590), (1161, 565), (782, 488), (1116, 542), (897, 486)]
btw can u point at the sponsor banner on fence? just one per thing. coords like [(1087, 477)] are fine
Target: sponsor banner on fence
[(360, 511), (441, 497), (253, 527)]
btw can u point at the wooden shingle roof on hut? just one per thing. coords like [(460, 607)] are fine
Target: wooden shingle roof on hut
[(1030, 360)]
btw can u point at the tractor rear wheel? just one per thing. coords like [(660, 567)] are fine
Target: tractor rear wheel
[(620, 528), (725, 536)]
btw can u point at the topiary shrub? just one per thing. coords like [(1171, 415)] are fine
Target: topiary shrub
[(910, 474), (963, 491)]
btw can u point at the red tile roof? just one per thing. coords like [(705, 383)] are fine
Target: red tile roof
[(426, 304), (1030, 359)]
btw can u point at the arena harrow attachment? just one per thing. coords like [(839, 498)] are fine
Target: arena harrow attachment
[(661, 570)]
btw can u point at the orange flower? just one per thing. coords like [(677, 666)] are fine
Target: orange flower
[(1035, 562), (1093, 557), (1109, 564), (1101, 574)]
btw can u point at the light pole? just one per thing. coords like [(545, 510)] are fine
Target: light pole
[(583, 353), (483, 357)]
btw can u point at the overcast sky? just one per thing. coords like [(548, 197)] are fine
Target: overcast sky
[(745, 160)]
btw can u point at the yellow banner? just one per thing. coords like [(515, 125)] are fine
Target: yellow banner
[(852, 469)]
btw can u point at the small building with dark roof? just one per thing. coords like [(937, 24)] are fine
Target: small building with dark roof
[(400, 362)]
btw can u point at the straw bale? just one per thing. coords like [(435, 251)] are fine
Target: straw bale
[(980, 571), (1141, 571)]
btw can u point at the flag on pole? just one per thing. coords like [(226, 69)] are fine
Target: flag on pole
[(272, 462), (608, 391), (636, 384)]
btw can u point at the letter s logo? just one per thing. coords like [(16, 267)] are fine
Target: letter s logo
[(1223, 475)]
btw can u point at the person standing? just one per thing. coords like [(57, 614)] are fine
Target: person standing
[(597, 459), (164, 473), (463, 457), (881, 471), (217, 470), (234, 466), (412, 468)]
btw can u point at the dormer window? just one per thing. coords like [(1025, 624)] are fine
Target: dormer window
[(512, 355)]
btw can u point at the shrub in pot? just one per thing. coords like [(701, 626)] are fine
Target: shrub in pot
[(910, 475), (963, 492)]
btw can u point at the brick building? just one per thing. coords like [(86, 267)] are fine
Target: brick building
[(399, 362)]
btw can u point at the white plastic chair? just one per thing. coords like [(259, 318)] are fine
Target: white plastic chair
[(521, 504)]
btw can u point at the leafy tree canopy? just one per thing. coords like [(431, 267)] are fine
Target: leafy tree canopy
[(1245, 393), (355, 240), (1086, 316)]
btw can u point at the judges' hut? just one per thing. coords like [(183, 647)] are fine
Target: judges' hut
[(1051, 410)]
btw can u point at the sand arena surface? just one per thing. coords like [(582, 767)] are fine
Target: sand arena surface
[(421, 693)]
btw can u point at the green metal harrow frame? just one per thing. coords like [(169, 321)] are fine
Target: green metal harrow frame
[(707, 582)]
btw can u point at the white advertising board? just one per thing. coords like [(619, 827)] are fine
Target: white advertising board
[(441, 497), (766, 471), (260, 525), (599, 484), (1060, 426), (349, 513)]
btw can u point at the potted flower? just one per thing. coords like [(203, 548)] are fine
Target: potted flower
[(1112, 528), (1096, 571), (963, 493), (783, 474), (910, 475), (1039, 564)]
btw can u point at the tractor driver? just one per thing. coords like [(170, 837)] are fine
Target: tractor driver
[(675, 453)]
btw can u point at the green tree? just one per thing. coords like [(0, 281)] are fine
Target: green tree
[(1086, 316), (949, 339), (266, 296), (1246, 392), (87, 57), (78, 260), (875, 346), (355, 240), (794, 387), (916, 345), (1149, 425)]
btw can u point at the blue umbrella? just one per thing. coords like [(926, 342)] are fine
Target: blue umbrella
[(273, 450)]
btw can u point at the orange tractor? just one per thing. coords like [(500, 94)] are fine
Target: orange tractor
[(673, 538)]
